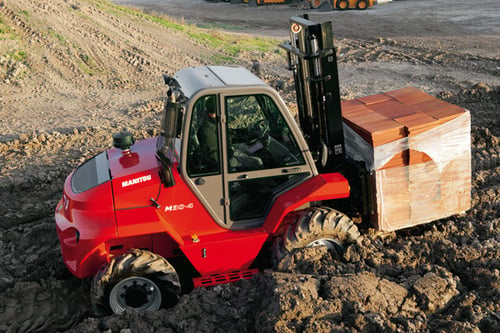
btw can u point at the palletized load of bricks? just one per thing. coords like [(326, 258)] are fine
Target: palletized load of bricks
[(417, 149)]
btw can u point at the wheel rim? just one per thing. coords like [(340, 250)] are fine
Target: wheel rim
[(343, 5), (135, 293), (362, 5), (330, 243)]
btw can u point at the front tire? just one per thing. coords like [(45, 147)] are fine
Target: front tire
[(342, 4), (362, 4), (316, 3), (137, 280), (315, 226)]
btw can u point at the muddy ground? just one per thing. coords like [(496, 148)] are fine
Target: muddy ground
[(72, 72)]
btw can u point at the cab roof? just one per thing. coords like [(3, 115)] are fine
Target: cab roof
[(194, 79)]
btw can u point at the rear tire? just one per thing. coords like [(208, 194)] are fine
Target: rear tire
[(342, 4), (315, 226), (316, 3), (362, 4), (137, 280)]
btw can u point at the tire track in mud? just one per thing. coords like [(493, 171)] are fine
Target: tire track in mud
[(147, 49), (52, 46), (126, 44), (14, 18), (146, 62), (123, 44)]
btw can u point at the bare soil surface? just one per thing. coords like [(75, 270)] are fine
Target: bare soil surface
[(73, 72)]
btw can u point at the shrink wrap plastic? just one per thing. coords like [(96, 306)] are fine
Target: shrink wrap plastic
[(431, 181), (442, 144)]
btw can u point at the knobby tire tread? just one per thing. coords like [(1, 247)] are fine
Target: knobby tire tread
[(134, 263), (311, 224)]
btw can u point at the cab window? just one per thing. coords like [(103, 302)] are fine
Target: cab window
[(203, 146), (258, 137)]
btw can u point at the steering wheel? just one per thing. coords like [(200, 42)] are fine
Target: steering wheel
[(257, 131)]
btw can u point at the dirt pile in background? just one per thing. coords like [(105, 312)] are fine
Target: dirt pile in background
[(74, 72), (89, 61)]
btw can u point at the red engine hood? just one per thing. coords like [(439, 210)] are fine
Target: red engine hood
[(135, 174)]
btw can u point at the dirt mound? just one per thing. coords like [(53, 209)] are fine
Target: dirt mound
[(74, 72), (89, 61)]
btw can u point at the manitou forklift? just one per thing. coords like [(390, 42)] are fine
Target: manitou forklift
[(231, 178)]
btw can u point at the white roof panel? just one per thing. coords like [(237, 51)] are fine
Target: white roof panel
[(193, 79)]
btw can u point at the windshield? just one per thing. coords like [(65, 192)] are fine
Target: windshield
[(93, 172)]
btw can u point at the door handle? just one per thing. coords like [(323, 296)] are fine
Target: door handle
[(199, 181), (155, 203), (291, 170)]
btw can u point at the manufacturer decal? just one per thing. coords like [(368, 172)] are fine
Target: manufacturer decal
[(136, 181), (173, 208)]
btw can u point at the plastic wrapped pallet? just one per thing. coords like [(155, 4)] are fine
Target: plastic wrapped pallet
[(417, 149)]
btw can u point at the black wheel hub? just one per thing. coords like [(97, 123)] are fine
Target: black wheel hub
[(135, 293)]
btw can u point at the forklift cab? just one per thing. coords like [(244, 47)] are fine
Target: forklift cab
[(239, 146)]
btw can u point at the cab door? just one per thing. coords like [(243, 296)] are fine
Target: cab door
[(261, 157), (204, 156)]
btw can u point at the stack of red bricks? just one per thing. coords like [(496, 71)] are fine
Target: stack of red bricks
[(417, 148)]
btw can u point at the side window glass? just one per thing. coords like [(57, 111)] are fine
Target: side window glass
[(203, 145), (258, 136)]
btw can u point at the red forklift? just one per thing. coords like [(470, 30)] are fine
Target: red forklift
[(149, 219)]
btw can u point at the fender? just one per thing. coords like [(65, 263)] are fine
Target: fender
[(321, 187)]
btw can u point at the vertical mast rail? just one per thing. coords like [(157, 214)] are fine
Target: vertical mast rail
[(312, 58)]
